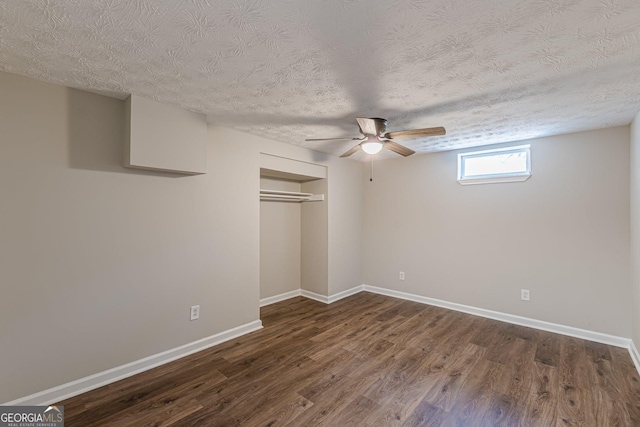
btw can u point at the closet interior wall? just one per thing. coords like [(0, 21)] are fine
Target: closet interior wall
[(280, 240)]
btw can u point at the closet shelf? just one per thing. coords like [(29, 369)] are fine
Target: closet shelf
[(290, 196)]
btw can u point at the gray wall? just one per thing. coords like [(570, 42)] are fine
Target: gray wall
[(345, 218), (563, 234), (99, 264), (315, 240), (635, 227)]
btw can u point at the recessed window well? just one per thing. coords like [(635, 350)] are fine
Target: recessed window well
[(509, 164)]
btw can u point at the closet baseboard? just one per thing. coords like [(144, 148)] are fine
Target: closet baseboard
[(332, 298), (314, 296), (311, 295), (281, 297)]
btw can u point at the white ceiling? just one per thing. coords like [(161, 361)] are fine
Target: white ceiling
[(487, 70)]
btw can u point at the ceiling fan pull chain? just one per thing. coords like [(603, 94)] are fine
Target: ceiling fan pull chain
[(371, 175)]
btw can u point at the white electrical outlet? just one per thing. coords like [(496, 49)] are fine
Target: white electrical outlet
[(195, 312), (524, 294), (402, 275)]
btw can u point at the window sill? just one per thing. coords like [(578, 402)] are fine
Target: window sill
[(495, 179)]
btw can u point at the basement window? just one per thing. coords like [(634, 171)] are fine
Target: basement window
[(509, 164)]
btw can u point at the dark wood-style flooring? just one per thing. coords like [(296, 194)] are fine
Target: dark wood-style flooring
[(371, 360)]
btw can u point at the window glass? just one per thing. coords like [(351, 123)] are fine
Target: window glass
[(497, 165)]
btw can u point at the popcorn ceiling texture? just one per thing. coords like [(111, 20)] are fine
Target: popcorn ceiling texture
[(488, 70)]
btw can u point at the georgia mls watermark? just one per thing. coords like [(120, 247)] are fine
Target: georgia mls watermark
[(31, 416)]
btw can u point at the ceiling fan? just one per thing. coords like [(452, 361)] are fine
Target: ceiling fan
[(376, 137)]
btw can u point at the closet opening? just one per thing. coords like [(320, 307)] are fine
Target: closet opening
[(293, 229)]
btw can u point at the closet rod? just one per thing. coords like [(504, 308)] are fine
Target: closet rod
[(290, 196), (286, 193), (281, 196)]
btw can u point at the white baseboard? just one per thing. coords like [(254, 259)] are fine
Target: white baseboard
[(344, 294), (332, 298), (281, 297), (314, 296), (509, 318), (82, 385), (635, 356), (311, 295)]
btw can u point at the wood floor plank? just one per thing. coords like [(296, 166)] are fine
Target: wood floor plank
[(520, 370), (626, 374), (412, 331), (527, 334), (353, 413), (406, 397), (411, 308), (633, 409), (503, 411), (548, 349), (541, 404), (574, 404), (474, 400), (317, 388), (499, 351), (488, 334), (374, 334), (333, 400), (459, 336), (372, 360), (405, 363), (288, 411), (425, 414), (164, 412), (450, 382)]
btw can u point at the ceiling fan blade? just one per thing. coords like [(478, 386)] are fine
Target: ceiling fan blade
[(373, 126), (331, 139), (397, 148), (350, 152), (416, 133)]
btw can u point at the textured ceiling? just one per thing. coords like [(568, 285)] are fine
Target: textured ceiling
[(487, 70)]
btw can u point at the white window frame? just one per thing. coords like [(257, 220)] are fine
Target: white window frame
[(498, 177)]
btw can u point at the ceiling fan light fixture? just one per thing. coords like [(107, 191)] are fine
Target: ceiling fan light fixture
[(372, 147)]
